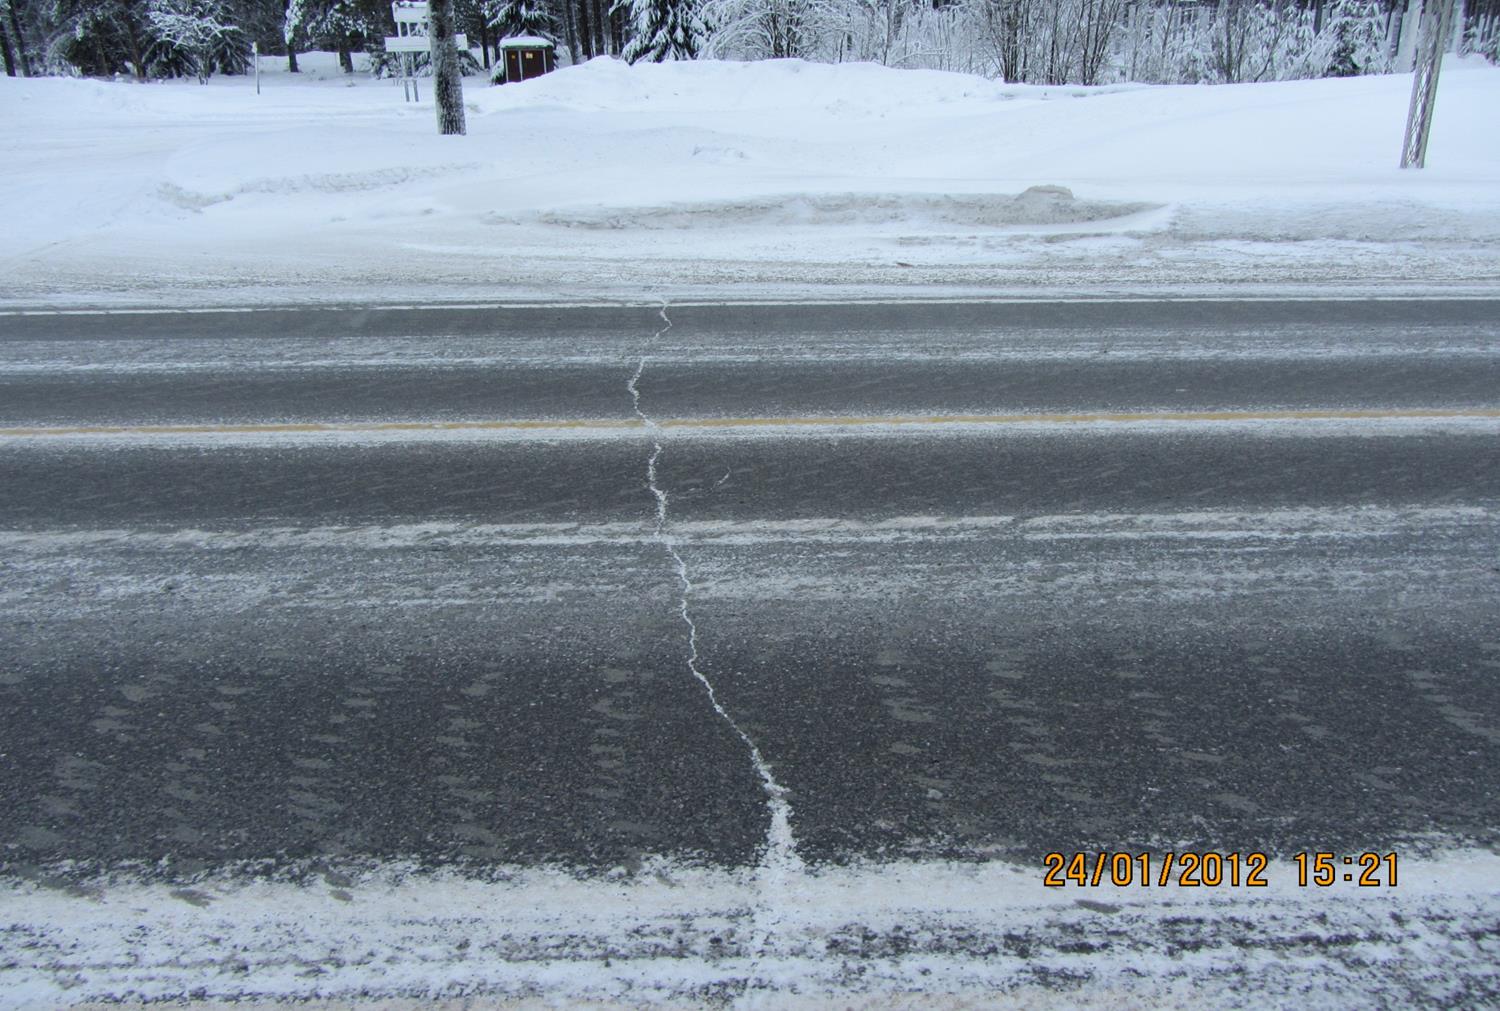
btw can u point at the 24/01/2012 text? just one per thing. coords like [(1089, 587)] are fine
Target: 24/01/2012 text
[(1214, 870)]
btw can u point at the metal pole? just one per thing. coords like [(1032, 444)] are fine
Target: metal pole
[(255, 55), (1437, 17)]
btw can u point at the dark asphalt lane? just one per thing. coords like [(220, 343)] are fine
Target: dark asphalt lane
[(745, 361), (1320, 680), (738, 321), (814, 476), (765, 388), (988, 643)]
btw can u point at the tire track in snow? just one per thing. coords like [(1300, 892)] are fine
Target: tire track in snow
[(781, 861)]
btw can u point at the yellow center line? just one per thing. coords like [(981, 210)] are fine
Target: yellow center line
[(810, 421), (1124, 417)]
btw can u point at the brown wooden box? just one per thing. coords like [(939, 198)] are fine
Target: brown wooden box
[(527, 57)]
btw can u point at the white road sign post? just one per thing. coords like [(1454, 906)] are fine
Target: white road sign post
[(412, 31)]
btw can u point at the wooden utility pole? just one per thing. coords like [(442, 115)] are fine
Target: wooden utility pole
[(1437, 19), (447, 75)]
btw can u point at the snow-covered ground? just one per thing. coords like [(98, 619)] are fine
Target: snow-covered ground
[(710, 179), (901, 935)]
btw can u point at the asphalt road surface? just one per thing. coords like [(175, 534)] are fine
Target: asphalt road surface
[(736, 585)]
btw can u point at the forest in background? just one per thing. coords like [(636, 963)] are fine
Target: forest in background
[(1083, 42)]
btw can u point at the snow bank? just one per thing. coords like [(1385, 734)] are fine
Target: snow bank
[(778, 177), (850, 90)]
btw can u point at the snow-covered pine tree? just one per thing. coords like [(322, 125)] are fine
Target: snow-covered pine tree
[(342, 25), (203, 31), (510, 18), (101, 37), (472, 19), (664, 30), (1353, 41), (292, 33)]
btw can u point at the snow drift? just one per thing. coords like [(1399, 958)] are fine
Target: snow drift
[(772, 178)]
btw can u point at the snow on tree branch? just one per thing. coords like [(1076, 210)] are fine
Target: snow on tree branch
[(199, 29)]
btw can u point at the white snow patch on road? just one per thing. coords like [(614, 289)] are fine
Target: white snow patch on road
[(678, 932), (762, 179), (1129, 557), (1352, 522), (1251, 342)]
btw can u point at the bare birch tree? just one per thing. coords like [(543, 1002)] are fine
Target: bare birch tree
[(447, 76)]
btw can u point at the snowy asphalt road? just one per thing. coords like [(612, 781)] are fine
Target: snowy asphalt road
[(956, 639), (1237, 617), (745, 361)]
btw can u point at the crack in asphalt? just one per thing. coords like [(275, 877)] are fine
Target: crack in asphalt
[(780, 861)]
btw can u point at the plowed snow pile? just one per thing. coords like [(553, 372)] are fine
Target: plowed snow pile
[(778, 178)]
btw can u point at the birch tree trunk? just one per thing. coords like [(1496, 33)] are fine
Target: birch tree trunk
[(447, 76)]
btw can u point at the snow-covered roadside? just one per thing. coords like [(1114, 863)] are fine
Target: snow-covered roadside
[(930, 934), (703, 180)]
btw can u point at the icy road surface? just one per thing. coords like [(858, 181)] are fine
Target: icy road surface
[(752, 654)]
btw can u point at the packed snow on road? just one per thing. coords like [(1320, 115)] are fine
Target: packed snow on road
[(903, 934), (773, 178)]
